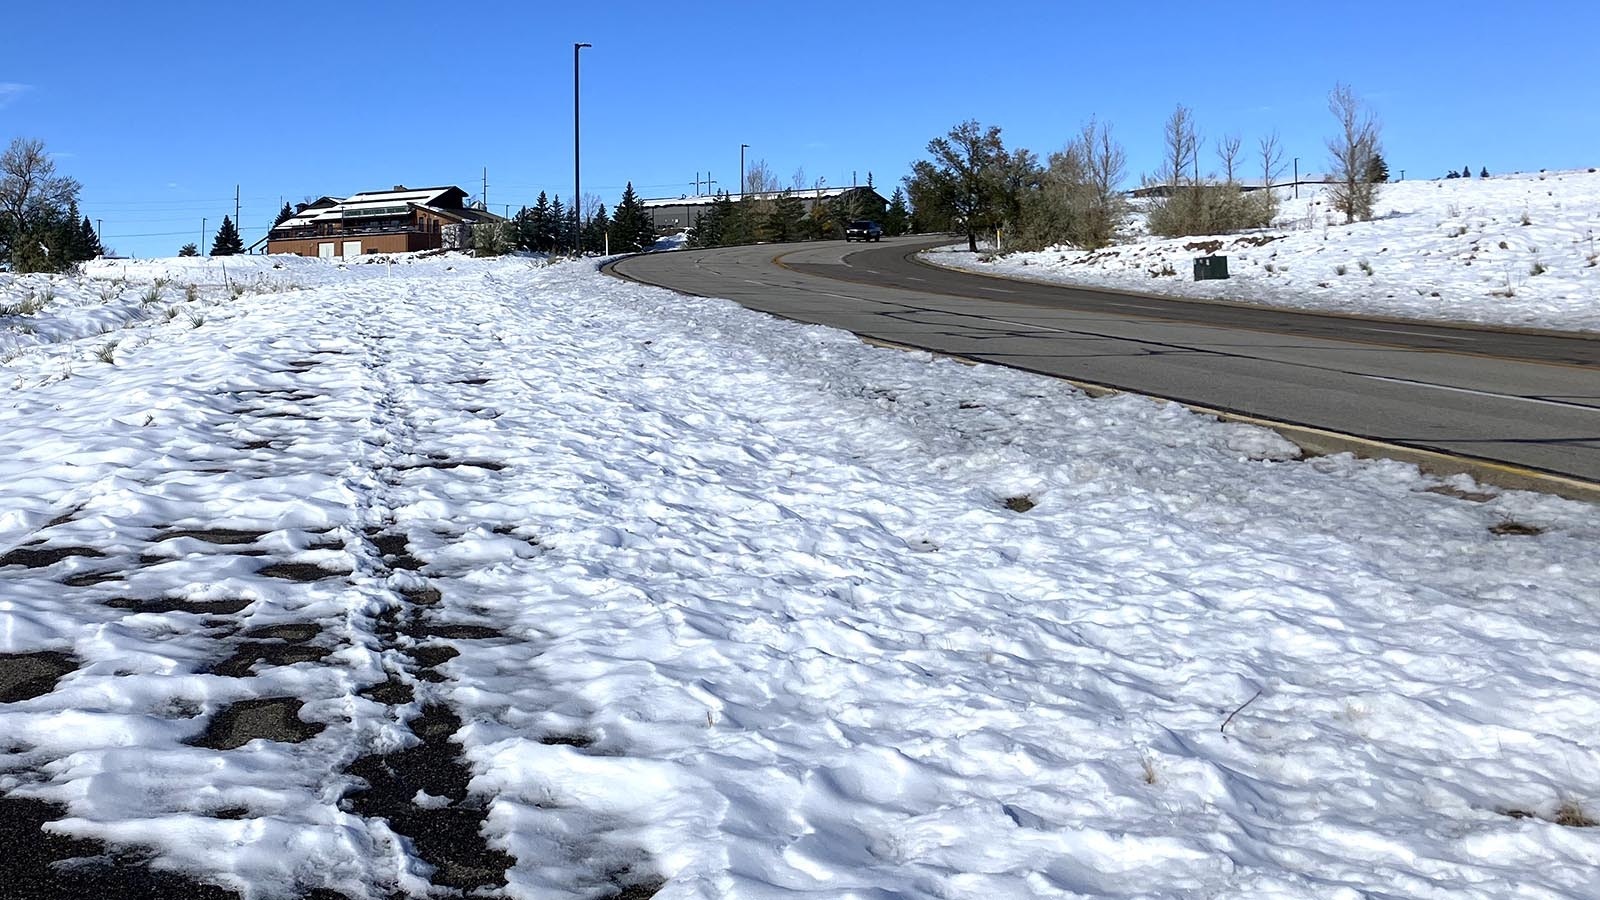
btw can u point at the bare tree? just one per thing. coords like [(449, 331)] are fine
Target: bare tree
[(1106, 165), (1352, 148), (1271, 159), (29, 186), (1182, 153), (1228, 151), (1075, 199), (797, 181), (759, 178)]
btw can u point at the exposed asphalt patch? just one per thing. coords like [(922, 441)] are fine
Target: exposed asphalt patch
[(452, 464), (446, 835), (36, 864), (90, 579), (463, 632), (269, 718), (393, 692), (226, 536), (273, 653), (302, 572), (294, 632), (36, 556), (423, 596), (580, 741), (430, 656), (173, 604), (24, 676)]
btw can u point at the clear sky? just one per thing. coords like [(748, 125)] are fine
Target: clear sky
[(161, 108)]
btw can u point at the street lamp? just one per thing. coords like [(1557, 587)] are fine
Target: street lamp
[(577, 183), (742, 149)]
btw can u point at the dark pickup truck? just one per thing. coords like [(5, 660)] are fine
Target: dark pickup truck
[(863, 230)]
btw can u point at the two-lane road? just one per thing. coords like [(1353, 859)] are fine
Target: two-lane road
[(1525, 399)]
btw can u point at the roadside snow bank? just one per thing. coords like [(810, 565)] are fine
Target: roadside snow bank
[(1520, 250)]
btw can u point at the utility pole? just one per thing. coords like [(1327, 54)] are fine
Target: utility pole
[(103, 243), (1297, 178), (485, 195), (577, 180), (202, 245), (742, 149), (236, 225)]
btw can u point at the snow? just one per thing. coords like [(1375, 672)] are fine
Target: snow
[(1518, 250), (764, 622)]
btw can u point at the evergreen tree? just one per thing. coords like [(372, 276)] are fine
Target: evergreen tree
[(571, 228), (283, 215), (896, 219), (631, 228), (89, 240), (189, 250), (783, 219), (1453, 174), (820, 223), (1466, 171), (542, 236), (522, 229), (1377, 170), (1484, 173), (596, 229), (227, 241), (558, 226)]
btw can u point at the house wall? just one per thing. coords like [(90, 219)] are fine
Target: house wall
[(370, 243)]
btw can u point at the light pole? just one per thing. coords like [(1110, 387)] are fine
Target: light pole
[(742, 149), (577, 183)]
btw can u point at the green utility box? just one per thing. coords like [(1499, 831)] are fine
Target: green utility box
[(1208, 267)]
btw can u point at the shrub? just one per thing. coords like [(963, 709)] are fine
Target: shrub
[(493, 239), (1340, 269), (1366, 267), (1209, 209)]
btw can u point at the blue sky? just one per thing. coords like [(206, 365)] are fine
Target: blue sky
[(161, 108)]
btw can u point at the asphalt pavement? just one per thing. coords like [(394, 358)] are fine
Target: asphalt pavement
[(1514, 399)]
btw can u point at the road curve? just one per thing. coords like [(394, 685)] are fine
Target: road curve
[(1523, 399)]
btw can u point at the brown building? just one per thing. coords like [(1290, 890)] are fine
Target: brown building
[(397, 221)]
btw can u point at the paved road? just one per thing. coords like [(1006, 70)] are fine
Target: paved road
[(1526, 399)]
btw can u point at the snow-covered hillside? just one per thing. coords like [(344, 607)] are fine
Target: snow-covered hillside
[(517, 578), (1518, 250)]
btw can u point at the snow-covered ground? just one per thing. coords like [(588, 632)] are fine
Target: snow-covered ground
[(1519, 250), (706, 600)]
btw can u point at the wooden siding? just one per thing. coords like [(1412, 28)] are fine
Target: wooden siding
[(403, 242)]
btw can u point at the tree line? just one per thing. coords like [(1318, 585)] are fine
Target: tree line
[(772, 216), (553, 227), (41, 228), (972, 183)]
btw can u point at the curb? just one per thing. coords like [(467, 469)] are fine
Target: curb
[(1322, 442)]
